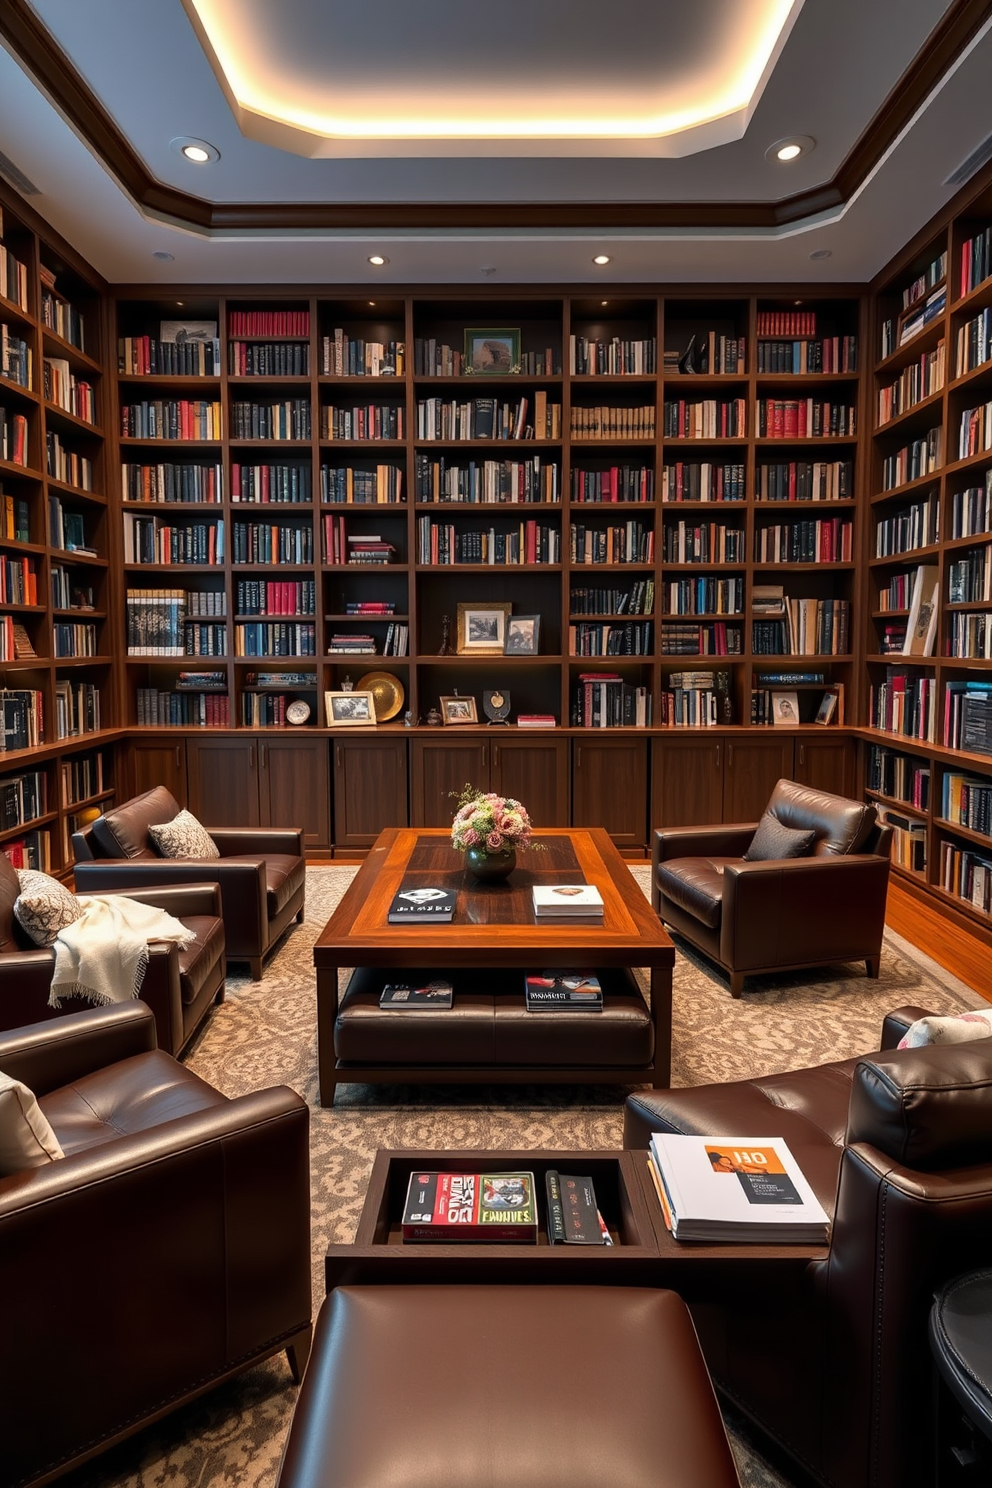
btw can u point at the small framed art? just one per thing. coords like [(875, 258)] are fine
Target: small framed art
[(349, 709), (492, 353), (482, 628), (523, 633), (785, 709), (459, 710)]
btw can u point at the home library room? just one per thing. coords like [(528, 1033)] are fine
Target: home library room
[(58, 610)]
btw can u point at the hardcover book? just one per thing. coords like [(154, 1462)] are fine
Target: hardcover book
[(735, 1189), (422, 906), (572, 991), (581, 1221), (567, 899), (404, 995), (497, 1207)]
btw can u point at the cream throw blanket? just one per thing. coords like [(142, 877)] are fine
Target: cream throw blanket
[(103, 955)]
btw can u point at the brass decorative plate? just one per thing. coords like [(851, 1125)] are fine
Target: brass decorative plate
[(387, 691)]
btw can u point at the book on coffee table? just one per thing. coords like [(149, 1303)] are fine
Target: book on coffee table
[(574, 991), (573, 1214), (428, 995), (495, 1207), (422, 906), (567, 899), (735, 1188)]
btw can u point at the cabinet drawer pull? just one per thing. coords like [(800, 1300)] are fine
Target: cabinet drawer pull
[(578, 757), (261, 755), (718, 756), (337, 754), (178, 760), (251, 756), (730, 756), (802, 754), (485, 755)]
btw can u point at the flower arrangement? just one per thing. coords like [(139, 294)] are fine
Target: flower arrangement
[(490, 823)]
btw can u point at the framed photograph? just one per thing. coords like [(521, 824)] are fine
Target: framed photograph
[(827, 708), (459, 710), (349, 709), (492, 353), (482, 628), (523, 632), (785, 709)]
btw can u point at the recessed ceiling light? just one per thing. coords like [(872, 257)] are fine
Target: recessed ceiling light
[(785, 150), (372, 303), (377, 261), (162, 256), (819, 253), (604, 302), (199, 151), (601, 259)]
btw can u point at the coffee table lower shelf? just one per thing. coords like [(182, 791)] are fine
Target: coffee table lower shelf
[(643, 1252)]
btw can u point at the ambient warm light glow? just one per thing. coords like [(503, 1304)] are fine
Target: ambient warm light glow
[(601, 259), (789, 152), (197, 153), (377, 260), (438, 78)]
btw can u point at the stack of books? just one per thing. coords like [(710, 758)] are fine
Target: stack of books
[(730, 1189)]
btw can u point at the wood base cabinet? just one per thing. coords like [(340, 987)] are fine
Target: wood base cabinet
[(751, 768), (610, 788), (533, 770), (827, 764), (261, 782), (370, 788), (152, 762)]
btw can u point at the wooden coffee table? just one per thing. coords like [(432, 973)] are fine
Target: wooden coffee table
[(493, 932)]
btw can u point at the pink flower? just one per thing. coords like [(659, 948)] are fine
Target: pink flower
[(469, 837), (494, 842)]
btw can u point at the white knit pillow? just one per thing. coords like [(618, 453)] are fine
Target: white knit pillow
[(43, 906), (184, 837), (26, 1136), (962, 1029)]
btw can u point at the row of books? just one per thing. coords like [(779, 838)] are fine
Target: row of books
[(82, 778), (170, 482), (346, 486), (967, 874), (976, 260), (156, 540), (971, 510), (24, 798), (487, 482), (156, 620), (13, 279), (488, 418), (16, 357), (914, 383), (612, 423), (33, 850), (970, 635), (637, 600), (919, 457), (66, 529), (275, 638), (502, 1208), (908, 847), (703, 481), (372, 421), (64, 463), (708, 352), (828, 354), (605, 700), (805, 418), (703, 542), (69, 638), (150, 356), (264, 484), (341, 546), (62, 387), (77, 708), (967, 801), (974, 344), (903, 776), (434, 358), (633, 542), (914, 526), (269, 358), (262, 323), (275, 597), (905, 702), (18, 580), (716, 638), (705, 595), (975, 431), (171, 418), (829, 540), (969, 577), (617, 483), (14, 437), (21, 719), (286, 419), (204, 638), (709, 418), (599, 638), (695, 700), (529, 542), (342, 355), (612, 357), (181, 709), (271, 542)]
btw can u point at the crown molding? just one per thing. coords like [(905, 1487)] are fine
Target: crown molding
[(28, 40)]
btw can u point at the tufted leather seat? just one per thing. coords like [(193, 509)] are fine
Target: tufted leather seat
[(261, 870), (753, 917)]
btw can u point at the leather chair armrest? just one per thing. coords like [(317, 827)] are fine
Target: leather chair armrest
[(25, 979), (241, 840), (897, 1022), (48, 1055), (127, 874), (731, 840), (177, 899), (796, 911)]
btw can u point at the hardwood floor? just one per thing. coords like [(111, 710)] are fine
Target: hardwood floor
[(949, 944)]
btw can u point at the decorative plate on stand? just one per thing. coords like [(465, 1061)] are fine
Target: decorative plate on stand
[(387, 691)]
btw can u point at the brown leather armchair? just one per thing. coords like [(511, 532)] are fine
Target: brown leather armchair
[(261, 870), (168, 1250), (830, 1357), (181, 984), (786, 913)]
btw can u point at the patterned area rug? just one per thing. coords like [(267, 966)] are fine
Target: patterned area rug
[(265, 1034)]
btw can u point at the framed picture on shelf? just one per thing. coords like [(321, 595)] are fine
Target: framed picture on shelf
[(785, 709), (459, 710), (482, 628), (349, 709), (827, 711), (523, 632), (492, 353)]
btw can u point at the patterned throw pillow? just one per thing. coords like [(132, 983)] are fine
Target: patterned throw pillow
[(43, 906), (184, 837), (26, 1136), (960, 1030), (773, 840)]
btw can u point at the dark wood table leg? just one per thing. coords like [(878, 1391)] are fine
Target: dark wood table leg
[(327, 1011), (661, 1016)]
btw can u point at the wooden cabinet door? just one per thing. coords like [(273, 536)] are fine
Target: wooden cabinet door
[(152, 762), (686, 782), (223, 781), (827, 764), (440, 766), (294, 786), (751, 768), (370, 788), (610, 788), (535, 771)]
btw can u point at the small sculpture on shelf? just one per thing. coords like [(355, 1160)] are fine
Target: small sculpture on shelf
[(445, 647), (434, 718)]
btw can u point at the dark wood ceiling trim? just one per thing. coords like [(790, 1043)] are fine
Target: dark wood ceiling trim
[(32, 43)]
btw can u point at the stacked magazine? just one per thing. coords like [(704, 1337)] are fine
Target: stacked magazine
[(732, 1189)]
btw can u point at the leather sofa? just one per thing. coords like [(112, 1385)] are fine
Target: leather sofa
[(261, 870), (786, 913), (830, 1358), (166, 1251), (181, 984)]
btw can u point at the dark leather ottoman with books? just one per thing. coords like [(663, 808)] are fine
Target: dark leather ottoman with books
[(524, 1385)]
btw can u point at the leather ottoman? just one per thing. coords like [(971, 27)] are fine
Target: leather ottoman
[(526, 1385), (489, 1024)]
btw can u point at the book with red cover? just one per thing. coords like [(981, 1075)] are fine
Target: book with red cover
[(494, 1207)]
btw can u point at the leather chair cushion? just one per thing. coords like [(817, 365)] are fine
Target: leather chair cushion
[(841, 825), (926, 1108), (123, 832), (486, 1398), (198, 959), (124, 1099), (285, 873), (9, 890), (695, 885), (807, 1107)]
